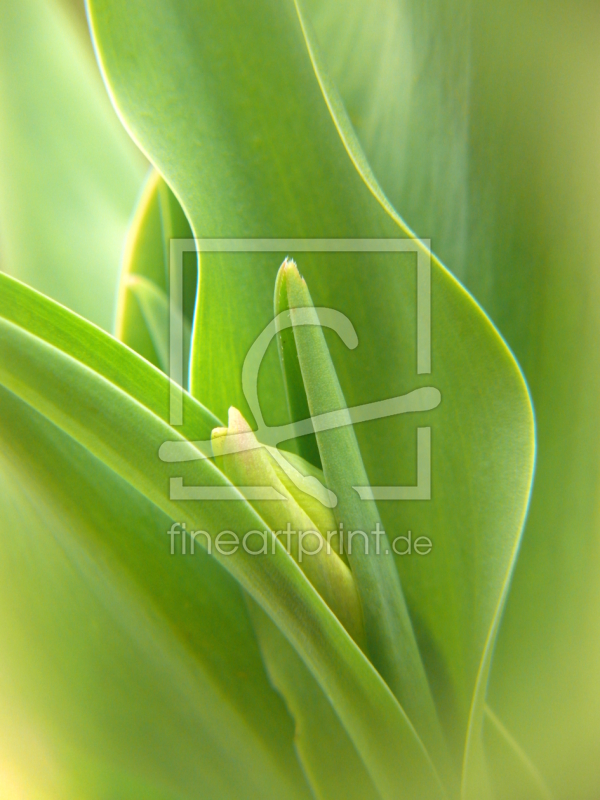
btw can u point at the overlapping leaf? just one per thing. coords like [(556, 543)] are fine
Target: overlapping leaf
[(146, 682), (269, 161), (479, 120), (61, 367), (143, 313), (240, 118)]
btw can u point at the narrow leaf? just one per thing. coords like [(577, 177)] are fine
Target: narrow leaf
[(390, 638), (143, 315)]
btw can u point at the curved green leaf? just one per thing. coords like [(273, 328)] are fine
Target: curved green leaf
[(146, 680), (251, 149), (100, 353), (330, 761), (122, 432), (268, 160), (479, 120), (515, 777)]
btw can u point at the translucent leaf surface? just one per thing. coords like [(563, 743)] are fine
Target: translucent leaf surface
[(480, 121), (258, 146)]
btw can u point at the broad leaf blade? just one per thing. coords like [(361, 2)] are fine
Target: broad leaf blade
[(146, 680), (477, 121)]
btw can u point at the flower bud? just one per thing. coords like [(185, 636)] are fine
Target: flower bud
[(301, 522)]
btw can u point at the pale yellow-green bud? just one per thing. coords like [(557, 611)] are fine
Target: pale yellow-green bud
[(248, 463)]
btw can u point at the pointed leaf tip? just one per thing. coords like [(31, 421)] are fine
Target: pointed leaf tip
[(289, 269), (236, 421)]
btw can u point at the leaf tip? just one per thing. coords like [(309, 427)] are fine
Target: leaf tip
[(289, 269), (236, 422)]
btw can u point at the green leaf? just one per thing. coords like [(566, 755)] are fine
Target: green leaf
[(201, 603), (125, 435), (330, 761), (477, 120), (134, 673), (402, 71), (101, 353), (292, 377), (143, 310), (514, 774), (69, 176), (390, 637), (251, 150)]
